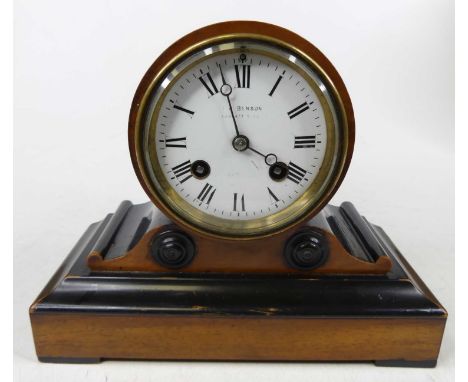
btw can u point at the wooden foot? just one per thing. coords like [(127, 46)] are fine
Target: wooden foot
[(68, 360), (402, 363)]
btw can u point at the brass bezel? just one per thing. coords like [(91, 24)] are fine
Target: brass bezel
[(222, 228), (230, 227)]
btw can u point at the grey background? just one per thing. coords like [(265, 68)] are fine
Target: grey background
[(77, 65)]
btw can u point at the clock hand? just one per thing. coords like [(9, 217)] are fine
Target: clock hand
[(226, 91), (278, 170), (270, 159)]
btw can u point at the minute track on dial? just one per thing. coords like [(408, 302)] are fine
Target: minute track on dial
[(287, 116), (239, 164)]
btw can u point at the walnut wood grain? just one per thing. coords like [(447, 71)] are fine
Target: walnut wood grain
[(259, 256), (217, 338), (139, 225), (86, 316)]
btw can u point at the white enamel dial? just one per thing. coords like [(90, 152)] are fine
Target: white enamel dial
[(239, 138), (273, 106)]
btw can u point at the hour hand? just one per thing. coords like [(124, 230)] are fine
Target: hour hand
[(278, 170)]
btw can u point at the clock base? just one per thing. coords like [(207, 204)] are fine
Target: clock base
[(83, 316)]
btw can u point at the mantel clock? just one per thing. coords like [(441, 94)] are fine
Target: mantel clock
[(240, 133)]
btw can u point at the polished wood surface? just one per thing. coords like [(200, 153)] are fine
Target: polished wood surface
[(263, 255), (206, 338), (87, 316)]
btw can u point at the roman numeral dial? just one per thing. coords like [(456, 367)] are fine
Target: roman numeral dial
[(273, 89), (182, 171), (273, 197), (190, 112), (304, 141), (239, 202), (238, 136), (209, 84), (176, 142), (298, 110), (206, 194), (296, 173), (242, 76)]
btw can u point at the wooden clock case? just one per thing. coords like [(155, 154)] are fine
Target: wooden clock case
[(331, 287)]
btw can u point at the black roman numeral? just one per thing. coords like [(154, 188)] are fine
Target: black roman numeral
[(242, 203), (272, 196), (184, 109), (243, 79), (208, 83), (275, 86), (176, 142), (304, 141), (295, 173), (298, 110), (207, 190), (182, 171)]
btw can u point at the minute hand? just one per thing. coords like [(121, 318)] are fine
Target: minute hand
[(226, 91)]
